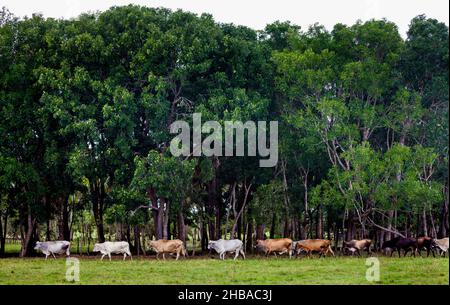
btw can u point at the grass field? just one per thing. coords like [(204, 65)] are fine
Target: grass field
[(207, 270)]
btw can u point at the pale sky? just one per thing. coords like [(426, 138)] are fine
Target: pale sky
[(257, 13)]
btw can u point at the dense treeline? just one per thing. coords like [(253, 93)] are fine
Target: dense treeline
[(86, 104)]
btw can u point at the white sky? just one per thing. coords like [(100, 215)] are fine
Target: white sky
[(257, 13)]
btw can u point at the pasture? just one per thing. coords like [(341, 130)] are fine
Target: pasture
[(210, 270)]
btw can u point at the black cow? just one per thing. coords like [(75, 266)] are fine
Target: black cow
[(399, 243)]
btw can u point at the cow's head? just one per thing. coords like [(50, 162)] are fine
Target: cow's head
[(153, 244), (97, 248), (38, 245), (260, 245), (211, 244)]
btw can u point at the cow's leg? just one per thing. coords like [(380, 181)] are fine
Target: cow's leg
[(124, 256), (46, 256), (53, 254), (157, 255), (164, 256), (178, 255), (357, 252), (236, 255), (399, 252), (242, 253), (109, 255)]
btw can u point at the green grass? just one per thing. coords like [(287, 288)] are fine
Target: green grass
[(206, 270)]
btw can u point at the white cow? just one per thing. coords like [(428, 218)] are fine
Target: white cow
[(52, 247), (117, 247), (441, 244), (223, 246)]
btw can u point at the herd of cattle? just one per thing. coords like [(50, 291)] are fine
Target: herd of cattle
[(269, 246)]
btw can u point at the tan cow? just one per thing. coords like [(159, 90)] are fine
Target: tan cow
[(356, 245), (323, 246), (168, 246), (280, 245)]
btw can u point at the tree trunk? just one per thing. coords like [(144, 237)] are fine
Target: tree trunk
[(48, 235), (443, 228), (249, 245), (424, 222), (3, 234), (204, 236), (433, 227), (389, 226), (156, 212), (241, 210), (31, 222), (64, 231), (260, 231), (272, 227), (137, 240), (181, 227), (319, 223), (97, 207), (164, 210)]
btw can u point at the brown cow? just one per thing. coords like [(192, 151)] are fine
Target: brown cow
[(168, 246), (323, 246), (425, 243), (356, 245), (280, 245)]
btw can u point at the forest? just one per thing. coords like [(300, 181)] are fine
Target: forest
[(86, 104)]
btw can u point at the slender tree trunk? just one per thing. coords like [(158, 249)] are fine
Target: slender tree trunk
[(249, 239), (181, 227), (319, 223), (2, 236), (213, 201), (272, 227), (137, 240), (48, 231), (241, 210), (424, 222), (97, 207), (389, 225), (443, 228), (64, 231), (204, 236), (433, 227), (165, 213), (260, 231), (31, 222), (156, 212)]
